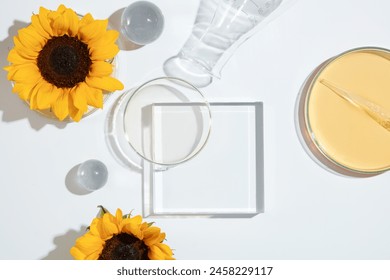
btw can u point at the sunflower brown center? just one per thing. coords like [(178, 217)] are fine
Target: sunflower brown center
[(124, 247), (64, 61)]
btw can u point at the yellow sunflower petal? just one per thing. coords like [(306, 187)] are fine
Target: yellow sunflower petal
[(32, 57), (75, 113), (23, 90), (93, 30), (144, 226), (27, 73), (79, 97), (61, 9), (152, 235), (108, 226), (41, 95), (135, 221), (118, 216), (85, 95), (36, 24), (105, 83), (23, 51), (73, 22), (134, 230), (15, 58), (133, 226), (89, 244), (60, 25), (11, 69), (162, 237), (67, 22), (85, 20), (108, 38), (77, 103), (44, 21), (100, 69), (33, 96), (77, 254), (165, 249), (51, 16), (104, 227), (60, 106), (94, 256), (94, 227), (155, 253), (95, 97), (31, 39), (103, 52), (46, 95)]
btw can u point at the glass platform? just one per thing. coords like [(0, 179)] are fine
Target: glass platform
[(224, 180)]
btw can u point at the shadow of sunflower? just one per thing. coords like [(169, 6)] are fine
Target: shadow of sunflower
[(63, 244), (11, 105)]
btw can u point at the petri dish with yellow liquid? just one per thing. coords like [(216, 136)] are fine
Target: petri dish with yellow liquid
[(344, 135)]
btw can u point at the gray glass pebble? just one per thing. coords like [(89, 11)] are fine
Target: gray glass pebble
[(92, 175), (142, 22)]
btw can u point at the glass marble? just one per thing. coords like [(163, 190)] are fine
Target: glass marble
[(142, 22), (92, 175)]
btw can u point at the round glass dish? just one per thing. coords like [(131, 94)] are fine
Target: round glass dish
[(337, 134), (166, 121)]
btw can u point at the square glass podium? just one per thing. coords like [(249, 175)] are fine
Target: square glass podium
[(225, 180)]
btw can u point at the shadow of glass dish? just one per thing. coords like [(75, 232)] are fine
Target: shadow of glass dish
[(116, 138), (115, 23)]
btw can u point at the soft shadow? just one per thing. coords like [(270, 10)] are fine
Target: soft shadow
[(63, 244), (11, 105), (115, 137), (115, 23), (71, 182), (148, 149)]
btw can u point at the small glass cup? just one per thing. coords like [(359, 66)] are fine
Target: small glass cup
[(165, 121)]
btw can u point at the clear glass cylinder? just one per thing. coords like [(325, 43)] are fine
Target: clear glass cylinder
[(220, 27)]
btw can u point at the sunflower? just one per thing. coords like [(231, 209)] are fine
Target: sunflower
[(121, 238), (61, 62)]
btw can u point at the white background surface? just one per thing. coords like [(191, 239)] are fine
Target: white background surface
[(309, 212)]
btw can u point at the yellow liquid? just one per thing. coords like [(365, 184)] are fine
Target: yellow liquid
[(344, 133)]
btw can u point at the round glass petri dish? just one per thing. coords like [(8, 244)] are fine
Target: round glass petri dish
[(166, 121), (338, 134)]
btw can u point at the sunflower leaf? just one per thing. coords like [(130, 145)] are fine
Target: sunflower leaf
[(102, 211)]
